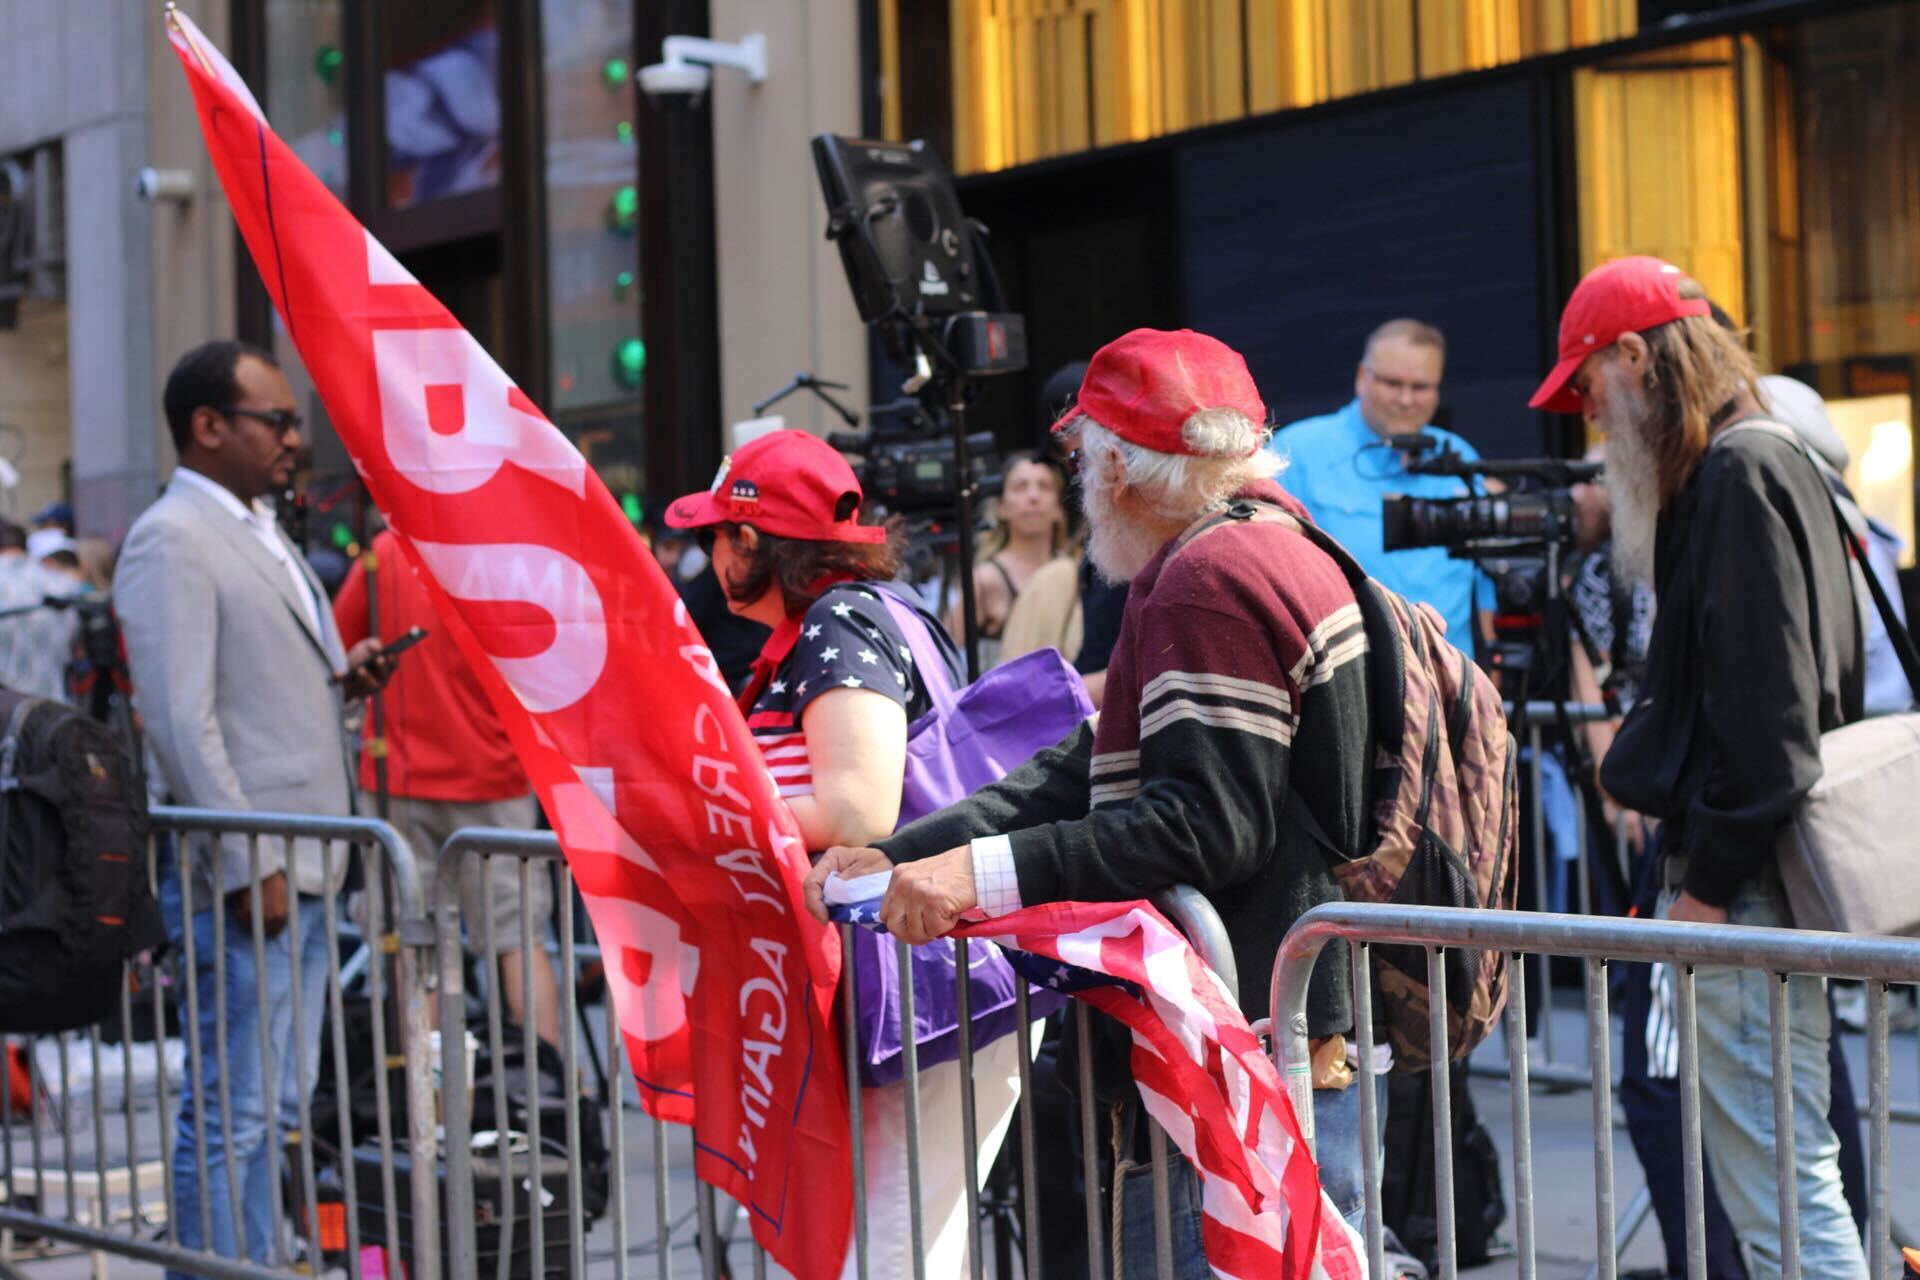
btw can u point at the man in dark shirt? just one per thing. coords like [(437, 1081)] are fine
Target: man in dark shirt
[(1756, 651)]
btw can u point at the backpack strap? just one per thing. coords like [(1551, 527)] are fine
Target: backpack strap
[(1386, 664), (926, 654), (1897, 632), (10, 774), (10, 754)]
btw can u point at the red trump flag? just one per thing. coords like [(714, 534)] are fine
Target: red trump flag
[(689, 864)]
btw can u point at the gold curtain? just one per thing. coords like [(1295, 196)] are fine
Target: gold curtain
[(1039, 78), (1659, 164)]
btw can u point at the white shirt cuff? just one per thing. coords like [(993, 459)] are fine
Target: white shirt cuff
[(996, 886)]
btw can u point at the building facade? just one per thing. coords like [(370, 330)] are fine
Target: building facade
[(500, 148), (1289, 173), (1283, 173)]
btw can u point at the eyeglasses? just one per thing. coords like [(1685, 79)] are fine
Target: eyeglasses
[(1399, 386), (281, 420)]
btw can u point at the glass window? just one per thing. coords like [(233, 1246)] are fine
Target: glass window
[(598, 358), (1659, 163), (1878, 431), (306, 104), (1847, 83), (441, 93), (306, 85), (1032, 80)]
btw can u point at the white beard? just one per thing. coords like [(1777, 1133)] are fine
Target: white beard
[(1633, 476), (1119, 547)]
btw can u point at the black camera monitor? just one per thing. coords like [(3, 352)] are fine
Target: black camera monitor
[(905, 243)]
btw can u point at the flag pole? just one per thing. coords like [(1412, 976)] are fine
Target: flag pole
[(173, 20)]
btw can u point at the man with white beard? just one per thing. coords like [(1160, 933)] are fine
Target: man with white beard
[(1238, 685), (1756, 652)]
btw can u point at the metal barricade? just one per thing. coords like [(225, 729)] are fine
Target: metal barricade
[(121, 1197), (1189, 911), (522, 1170), (1684, 948), (539, 853), (1536, 722), (1532, 723)]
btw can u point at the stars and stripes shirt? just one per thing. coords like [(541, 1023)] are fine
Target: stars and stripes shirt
[(848, 640), (1238, 684)]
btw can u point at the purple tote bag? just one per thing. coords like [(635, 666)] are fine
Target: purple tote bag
[(969, 738)]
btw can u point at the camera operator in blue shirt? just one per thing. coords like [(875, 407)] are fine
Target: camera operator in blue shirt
[(1342, 464)]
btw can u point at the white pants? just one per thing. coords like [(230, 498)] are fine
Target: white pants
[(943, 1165)]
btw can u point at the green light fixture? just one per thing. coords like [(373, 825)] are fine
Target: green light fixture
[(630, 504), (630, 363), (615, 73), (327, 63), (623, 210), (623, 286), (624, 131), (342, 537)]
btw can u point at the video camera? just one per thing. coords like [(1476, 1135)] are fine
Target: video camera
[(918, 266), (1537, 512), (909, 463), (922, 278), (1517, 537)]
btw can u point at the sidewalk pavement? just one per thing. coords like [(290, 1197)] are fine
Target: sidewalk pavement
[(1563, 1179)]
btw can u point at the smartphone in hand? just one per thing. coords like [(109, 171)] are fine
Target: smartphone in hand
[(400, 645)]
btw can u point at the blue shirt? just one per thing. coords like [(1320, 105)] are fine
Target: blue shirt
[(1339, 469)]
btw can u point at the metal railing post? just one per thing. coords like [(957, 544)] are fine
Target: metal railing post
[(1776, 952)]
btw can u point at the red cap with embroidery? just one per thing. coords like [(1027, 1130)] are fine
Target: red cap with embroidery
[(787, 483), (1627, 295), (1144, 385)]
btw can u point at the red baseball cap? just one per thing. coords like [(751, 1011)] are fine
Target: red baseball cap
[(1144, 385), (1627, 295), (787, 483)]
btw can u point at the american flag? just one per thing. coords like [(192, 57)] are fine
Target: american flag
[(1201, 1072)]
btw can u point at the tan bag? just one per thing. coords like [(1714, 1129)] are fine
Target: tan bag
[(1847, 854), (1847, 857)]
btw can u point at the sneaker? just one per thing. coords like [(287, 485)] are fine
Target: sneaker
[(1400, 1264)]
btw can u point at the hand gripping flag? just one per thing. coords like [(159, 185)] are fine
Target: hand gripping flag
[(689, 863), (1200, 1070)]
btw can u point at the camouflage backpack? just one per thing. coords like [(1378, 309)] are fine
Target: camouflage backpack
[(1443, 797)]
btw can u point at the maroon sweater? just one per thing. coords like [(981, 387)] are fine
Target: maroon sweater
[(1238, 685)]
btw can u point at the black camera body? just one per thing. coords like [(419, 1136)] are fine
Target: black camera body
[(909, 464), (1518, 537), (918, 266), (1536, 513), (1468, 524)]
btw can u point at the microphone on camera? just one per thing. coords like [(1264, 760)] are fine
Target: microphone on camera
[(1414, 443)]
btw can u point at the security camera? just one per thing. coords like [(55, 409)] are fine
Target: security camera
[(155, 185), (672, 85), (685, 69)]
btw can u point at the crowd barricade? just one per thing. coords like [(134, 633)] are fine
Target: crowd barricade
[(511, 1218), (1539, 724), (109, 1172), (1877, 961)]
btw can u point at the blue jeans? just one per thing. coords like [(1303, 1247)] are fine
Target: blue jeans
[(1336, 1146), (1736, 1106), (245, 1075), (1134, 1257)]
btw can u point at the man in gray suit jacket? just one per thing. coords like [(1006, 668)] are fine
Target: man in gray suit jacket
[(241, 682)]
